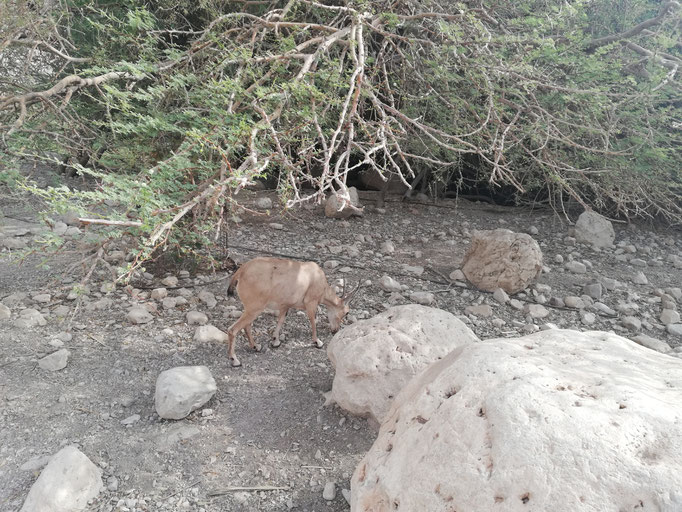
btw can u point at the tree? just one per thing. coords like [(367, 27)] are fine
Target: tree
[(173, 110)]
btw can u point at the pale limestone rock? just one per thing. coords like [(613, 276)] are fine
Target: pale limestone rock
[(333, 204), (66, 484), (375, 358), (557, 421), (196, 318), (55, 361), (591, 228), (209, 333), (183, 389), (502, 259), (139, 315), (388, 284)]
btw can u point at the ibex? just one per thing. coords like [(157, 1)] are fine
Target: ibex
[(283, 284)]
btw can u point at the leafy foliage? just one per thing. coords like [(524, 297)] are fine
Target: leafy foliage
[(178, 108)]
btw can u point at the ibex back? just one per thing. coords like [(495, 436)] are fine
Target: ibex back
[(283, 284)]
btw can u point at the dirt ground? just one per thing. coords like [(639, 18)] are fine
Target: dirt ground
[(267, 424)]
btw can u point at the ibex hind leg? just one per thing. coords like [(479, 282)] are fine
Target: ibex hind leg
[(280, 321)]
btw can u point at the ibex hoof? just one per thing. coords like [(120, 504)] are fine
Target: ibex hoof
[(319, 344), (275, 342), (236, 363)]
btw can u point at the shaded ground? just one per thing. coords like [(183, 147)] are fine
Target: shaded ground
[(268, 425)]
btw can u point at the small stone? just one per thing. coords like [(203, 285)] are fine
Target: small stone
[(480, 310), (501, 296), (632, 323), (131, 419), (42, 298), (516, 304), (574, 302), (387, 247), (277, 226), (330, 264), (346, 495), (264, 203), (536, 311), (139, 315), (424, 298), (675, 329), (587, 318), (600, 306), (558, 258), (5, 312), (669, 316), (112, 484), (593, 290), (196, 318), (637, 262), (388, 284), (159, 293), (209, 333), (416, 270), (640, 278), (55, 361), (457, 275), (329, 492), (181, 390), (533, 230), (208, 298), (576, 267), (169, 302), (652, 343), (170, 281)]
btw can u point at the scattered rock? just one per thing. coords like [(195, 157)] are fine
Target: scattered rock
[(652, 343), (576, 267), (493, 438), (500, 296), (131, 419), (593, 290), (208, 334), (66, 484), (196, 318), (374, 358), (574, 302), (675, 329), (170, 281), (183, 389), (207, 298), (591, 228), (424, 298), (536, 311), (29, 318), (631, 322), (387, 247), (139, 315), (480, 310), (5, 312), (457, 275), (388, 284), (640, 278), (329, 492), (669, 316), (159, 293), (42, 298), (502, 259), (55, 361), (264, 203)]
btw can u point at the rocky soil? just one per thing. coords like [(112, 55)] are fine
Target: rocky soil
[(266, 441)]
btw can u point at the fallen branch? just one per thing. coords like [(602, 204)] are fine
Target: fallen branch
[(106, 222), (227, 490)]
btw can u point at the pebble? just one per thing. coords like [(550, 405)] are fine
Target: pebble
[(675, 329), (277, 225), (329, 492), (637, 262), (388, 284), (55, 361), (139, 315), (170, 281), (652, 343), (481, 310), (669, 316), (593, 290), (196, 318), (640, 278), (131, 419), (632, 323), (207, 298), (457, 275), (574, 302), (424, 298), (536, 311), (576, 267), (5, 312), (159, 293), (501, 296)]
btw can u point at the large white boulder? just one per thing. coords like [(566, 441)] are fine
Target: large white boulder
[(183, 389), (66, 484), (375, 358), (591, 228), (503, 259), (556, 421)]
